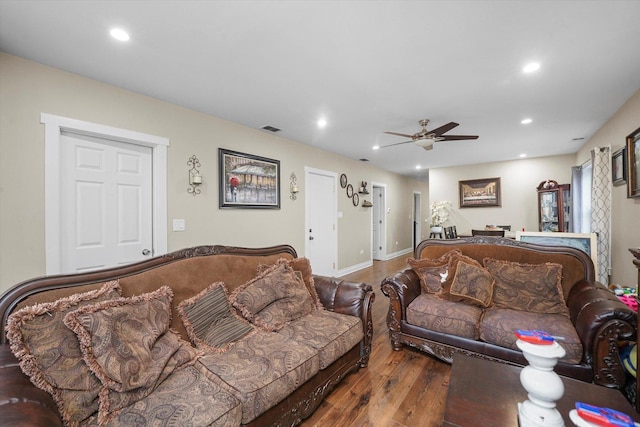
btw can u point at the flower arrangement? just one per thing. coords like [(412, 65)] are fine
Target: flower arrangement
[(439, 214)]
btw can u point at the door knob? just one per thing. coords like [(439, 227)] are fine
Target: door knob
[(310, 237), (146, 252)]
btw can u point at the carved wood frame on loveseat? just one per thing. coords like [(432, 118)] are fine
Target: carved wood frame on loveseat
[(24, 404), (600, 319)]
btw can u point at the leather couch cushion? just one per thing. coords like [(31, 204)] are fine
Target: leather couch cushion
[(209, 321), (499, 325), (432, 271), (191, 396), (472, 284), (263, 369), (331, 334), (448, 317), (534, 288), (50, 355)]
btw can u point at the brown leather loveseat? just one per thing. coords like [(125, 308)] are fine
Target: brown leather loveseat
[(599, 319)]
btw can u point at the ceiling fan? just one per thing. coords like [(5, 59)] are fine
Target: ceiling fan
[(425, 138)]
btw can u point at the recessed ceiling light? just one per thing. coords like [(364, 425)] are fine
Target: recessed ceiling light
[(418, 167), (322, 123), (119, 34), (531, 67), (526, 121), (523, 155), (376, 147)]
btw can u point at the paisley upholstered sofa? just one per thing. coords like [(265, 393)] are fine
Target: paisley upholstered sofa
[(210, 335), (469, 295)]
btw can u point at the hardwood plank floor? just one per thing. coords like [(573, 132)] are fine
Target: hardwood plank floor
[(398, 388)]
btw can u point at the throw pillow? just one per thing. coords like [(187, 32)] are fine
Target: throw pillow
[(49, 353), (432, 271), (472, 284), (127, 343), (209, 321), (535, 288), (273, 298), (302, 268), (452, 268)]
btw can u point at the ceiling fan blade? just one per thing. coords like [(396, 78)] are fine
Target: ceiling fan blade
[(457, 137), (442, 129), (397, 143), (400, 134)]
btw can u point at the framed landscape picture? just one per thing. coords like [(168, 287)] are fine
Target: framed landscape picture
[(586, 242), (619, 166), (479, 193), (248, 181), (633, 163)]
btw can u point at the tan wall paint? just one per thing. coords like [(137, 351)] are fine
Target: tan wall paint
[(518, 180), (28, 89), (625, 213)]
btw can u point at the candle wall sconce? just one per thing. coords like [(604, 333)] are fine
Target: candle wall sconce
[(293, 186), (195, 179)]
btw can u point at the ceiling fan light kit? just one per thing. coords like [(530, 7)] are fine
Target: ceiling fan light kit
[(426, 138)]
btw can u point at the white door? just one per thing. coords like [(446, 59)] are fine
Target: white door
[(378, 223), (106, 203), (321, 232)]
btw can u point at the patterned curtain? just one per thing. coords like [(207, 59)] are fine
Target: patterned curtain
[(601, 208)]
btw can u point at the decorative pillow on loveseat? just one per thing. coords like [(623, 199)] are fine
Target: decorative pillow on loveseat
[(535, 288), (472, 284), (49, 353), (128, 345), (209, 321), (273, 298), (432, 271), (452, 269), (302, 267)]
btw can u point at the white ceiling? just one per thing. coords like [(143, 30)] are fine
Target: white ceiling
[(366, 66)]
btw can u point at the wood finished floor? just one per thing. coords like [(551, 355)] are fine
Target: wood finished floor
[(398, 388)]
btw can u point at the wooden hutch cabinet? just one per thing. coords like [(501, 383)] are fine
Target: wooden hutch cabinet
[(554, 206)]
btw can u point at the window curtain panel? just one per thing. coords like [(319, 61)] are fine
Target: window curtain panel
[(601, 208), (576, 199)]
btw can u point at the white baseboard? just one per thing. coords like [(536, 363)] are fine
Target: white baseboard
[(354, 268), (399, 253)]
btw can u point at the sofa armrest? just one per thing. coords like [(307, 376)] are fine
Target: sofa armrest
[(401, 288), (22, 403), (601, 320), (352, 298)]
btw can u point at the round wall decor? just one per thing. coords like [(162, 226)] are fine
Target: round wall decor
[(349, 190), (355, 199), (343, 180)]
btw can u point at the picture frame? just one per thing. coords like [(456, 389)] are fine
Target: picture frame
[(619, 167), (633, 164), (480, 193), (586, 242), (248, 181)]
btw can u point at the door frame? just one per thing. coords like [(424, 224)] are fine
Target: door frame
[(382, 253), (307, 203), (416, 231), (53, 127)]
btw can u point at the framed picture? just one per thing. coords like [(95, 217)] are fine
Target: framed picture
[(480, 193), (619, 166), (633, 164), (248, 181), (586, 242)]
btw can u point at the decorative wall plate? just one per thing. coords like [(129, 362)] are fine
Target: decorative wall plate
[(355, 199), (343, 180), (349, 190)]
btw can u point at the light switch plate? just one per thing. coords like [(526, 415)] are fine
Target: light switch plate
[(179, 225)]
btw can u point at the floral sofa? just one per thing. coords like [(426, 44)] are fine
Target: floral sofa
[(470, 295), (210, 335)]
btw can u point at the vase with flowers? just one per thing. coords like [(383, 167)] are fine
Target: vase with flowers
[(439, 215)]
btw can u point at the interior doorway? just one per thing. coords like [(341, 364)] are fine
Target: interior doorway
[(417, 218), (378, 222), (321, 223)]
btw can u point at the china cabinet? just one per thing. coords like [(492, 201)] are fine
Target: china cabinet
[(554, 206)]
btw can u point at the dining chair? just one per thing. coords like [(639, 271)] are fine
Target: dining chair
[(499, 233)]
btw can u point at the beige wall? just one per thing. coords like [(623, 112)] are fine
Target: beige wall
[(625, 227), (28, 89), (518, 180)]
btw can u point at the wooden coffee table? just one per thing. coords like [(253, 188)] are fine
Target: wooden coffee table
[(487, 394)]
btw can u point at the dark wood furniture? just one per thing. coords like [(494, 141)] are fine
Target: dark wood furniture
[(497, 233), (636, 262), (487, 393), (554, 206)]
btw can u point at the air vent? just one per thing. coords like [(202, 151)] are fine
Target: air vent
[(270, 128), (364, 160), (577, 139)]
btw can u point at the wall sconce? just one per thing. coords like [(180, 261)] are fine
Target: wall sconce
[(293, 186), (195, 179)]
